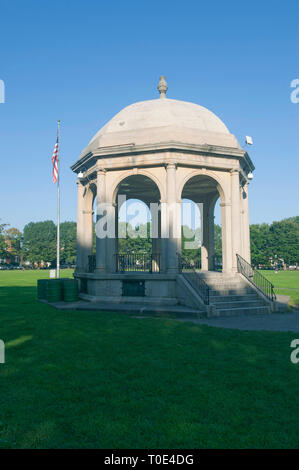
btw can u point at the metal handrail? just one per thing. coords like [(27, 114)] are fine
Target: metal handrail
[(193, 277), (256, 278)]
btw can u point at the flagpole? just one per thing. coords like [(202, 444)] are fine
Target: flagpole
[(58, 201)]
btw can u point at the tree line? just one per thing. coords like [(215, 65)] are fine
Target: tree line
[(279, 240), (37, 242)]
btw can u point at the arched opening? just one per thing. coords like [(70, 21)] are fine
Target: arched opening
[(218, 264), (138, 227), (191, 234), (202, 193)]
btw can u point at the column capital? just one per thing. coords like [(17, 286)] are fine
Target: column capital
[(234, 171), (102, 171), (171, 166)]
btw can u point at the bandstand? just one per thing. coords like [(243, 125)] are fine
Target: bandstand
[(159, 151)]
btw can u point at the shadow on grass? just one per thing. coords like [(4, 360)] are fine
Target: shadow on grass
[(96, 379)]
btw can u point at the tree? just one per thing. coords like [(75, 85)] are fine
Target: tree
[(260, 243), (285, 240), (13, 238), (278, 240), (39, 242), (68, 243), (133, 242), (189, 237), (218, 241), (2, 242)]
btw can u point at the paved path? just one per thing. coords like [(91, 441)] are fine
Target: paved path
[(271, 322)]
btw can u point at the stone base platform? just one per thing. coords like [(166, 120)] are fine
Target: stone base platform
[(179, 311)]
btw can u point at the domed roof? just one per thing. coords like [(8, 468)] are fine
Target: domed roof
[(163, 120)]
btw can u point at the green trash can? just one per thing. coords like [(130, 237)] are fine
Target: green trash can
[(42, 289), (70, 290), (54, 290)]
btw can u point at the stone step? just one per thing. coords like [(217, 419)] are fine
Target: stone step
[(224, 281), (239, 304), (130, 299), (232, 298), (231, 295), (226, 292), (223, 286), (225, 312), (218, 276), (215, 275), (234, 280), (219, 280), (137, 309), (226, 285)]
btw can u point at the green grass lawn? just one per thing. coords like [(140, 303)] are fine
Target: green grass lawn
[(105, 380), (285, 283)]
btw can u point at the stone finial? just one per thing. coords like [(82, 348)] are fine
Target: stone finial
[(162, 86)]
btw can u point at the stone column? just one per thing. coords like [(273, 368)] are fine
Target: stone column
[(245, 224), (226, 223), (80, 227), (100, 241), (164, 234), (88, 229), (205, 237), (174, 220), (236, 217), (156, 238), (211, 239), (207, 248), (111, 238), (106, 225), (116, 247), (178, 224)]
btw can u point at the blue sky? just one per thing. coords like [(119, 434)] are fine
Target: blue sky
[(83, 62)]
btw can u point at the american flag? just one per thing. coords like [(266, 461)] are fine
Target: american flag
[(55, 162)]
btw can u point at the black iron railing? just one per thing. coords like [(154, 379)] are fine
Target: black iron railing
[(91, 263), (217, 263), (188, 269), (185, 264), (138, 262), (256, 278)]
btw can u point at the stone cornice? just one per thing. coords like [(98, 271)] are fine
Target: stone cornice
[(146, 162), (172, 146)]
